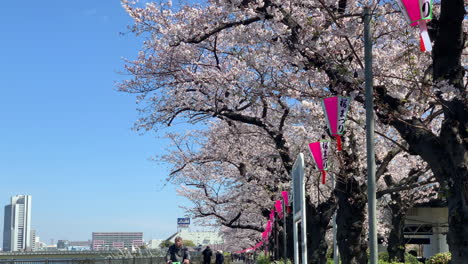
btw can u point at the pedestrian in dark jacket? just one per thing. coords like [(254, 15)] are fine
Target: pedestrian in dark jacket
[(207, 253), (219, 257)]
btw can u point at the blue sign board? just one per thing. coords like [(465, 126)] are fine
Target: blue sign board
[(183, 221)]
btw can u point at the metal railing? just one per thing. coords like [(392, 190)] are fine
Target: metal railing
[(131, 260)]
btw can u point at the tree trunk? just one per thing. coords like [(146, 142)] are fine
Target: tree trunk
[(350, 218), (457, 199), (318, 220), (447, 153), (289, 238), (396, 240), (452, 168)]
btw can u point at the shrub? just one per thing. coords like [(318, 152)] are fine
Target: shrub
[(383, 256), (440, 258), (410, 259), (263, 259), (330, 261), (282, 262)]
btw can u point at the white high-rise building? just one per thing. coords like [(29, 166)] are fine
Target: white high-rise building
[(17, 224)]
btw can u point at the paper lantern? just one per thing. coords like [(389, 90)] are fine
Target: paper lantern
[(418, 13), (336, 109), (320, 152)]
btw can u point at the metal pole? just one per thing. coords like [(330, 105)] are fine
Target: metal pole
[(277, 256), (296, 242), (370, 138), (285, 213), (336, 254)]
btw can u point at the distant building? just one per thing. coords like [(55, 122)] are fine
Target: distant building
[(50, 248), (78, 248), (17, 224), (199, 238), (38, 244), (117, 240), (62, 244), (80, 243), (33, 240), (154, 243)]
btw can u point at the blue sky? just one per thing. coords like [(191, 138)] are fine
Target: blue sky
[(65, 133)]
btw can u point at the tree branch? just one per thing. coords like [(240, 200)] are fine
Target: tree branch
[(405, 187)]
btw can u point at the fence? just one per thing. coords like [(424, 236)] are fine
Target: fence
[(123, 260), (134, 260)]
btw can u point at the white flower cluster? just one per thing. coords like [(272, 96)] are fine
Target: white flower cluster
[(447, 90)]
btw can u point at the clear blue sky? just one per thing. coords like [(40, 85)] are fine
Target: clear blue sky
[(65, 133)]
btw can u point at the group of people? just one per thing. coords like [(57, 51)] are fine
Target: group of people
[(178, 253), (207, 253)]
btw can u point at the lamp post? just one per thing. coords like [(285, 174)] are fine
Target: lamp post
[(371, 196)]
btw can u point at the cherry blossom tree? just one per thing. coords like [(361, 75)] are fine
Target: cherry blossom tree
[(240, 163), (226, 57)]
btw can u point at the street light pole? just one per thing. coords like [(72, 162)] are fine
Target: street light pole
[(371, 196)]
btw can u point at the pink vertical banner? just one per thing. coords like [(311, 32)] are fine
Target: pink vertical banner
[(320, 152), (285, 196), (279, 208), (335, 109), (325, 151), (425, 41), (418, 13), (268, 227), (330, 106), (412, 10)]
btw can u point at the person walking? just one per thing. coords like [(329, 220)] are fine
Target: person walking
[(219, 257), (207, 253), (177, 252)]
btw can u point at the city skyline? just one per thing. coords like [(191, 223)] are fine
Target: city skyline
[(67, 135), (53, 241)]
